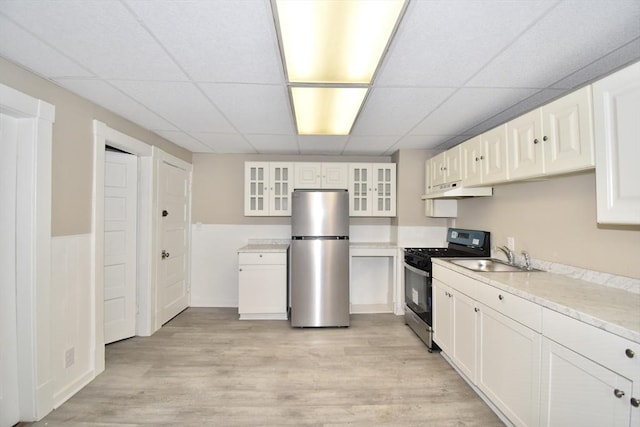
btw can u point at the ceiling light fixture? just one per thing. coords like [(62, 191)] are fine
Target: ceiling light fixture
[(331, 51)]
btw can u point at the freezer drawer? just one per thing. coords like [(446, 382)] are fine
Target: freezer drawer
[(319, 283)]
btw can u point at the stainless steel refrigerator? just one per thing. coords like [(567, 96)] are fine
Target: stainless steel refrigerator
[(319, 258)]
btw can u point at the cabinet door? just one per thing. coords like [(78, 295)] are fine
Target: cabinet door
[(360, 189), (262, 289), (308, 175), (442, 316), (576, 391), (334, 176), (465, 334), (509, 366), (472, 157), (616, 102), (494, 153), (256, 188), (453, 164), (384, 189), (438, 174), (280, 189), (525, 146), (567, 134), (427, 177)]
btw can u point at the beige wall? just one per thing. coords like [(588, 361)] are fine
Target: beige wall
[(555, 220), (410, 186), (218, 187), (72, 156)]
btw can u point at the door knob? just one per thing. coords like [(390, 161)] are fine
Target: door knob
[(165, 212), (165, 254)]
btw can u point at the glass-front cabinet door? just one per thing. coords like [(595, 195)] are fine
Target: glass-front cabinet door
[(384, 189), (359, 189), (256, 188), (280, 189)]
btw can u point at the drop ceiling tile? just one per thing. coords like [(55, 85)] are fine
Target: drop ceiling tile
[(185, 141), (443, 43), (394, 111), (370, 145), (180, 103), (21, 47), (467, 108), (224, 143), (536, 100), (217, 41), (102, 35), (274, 144), (617, 59), (321, 144), (253, 108), (543, 55), (107, 96), (424, 142)]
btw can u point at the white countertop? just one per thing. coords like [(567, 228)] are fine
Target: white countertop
[(610, 309), (264, 247), (373, 245)]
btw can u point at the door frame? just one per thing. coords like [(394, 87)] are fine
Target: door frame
[(33, 249), (103, 135), (149, 158)]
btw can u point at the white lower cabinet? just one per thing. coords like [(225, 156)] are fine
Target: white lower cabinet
[(576, 391), (536, 366), (262, 286), (509, 366)]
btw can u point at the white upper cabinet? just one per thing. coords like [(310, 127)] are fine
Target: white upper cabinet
[(372, 189), (494, 155), (483, 159), (472, 157), (445, 167), (321, 175), (267, 188), (616, 101), (554, 139)]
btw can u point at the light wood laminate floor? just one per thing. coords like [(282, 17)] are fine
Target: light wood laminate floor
[(205, 367)]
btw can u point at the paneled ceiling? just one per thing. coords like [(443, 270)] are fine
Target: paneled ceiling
[(207, 74)]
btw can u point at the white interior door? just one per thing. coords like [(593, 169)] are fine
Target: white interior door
[(9, 404), (120, 227), (173, 201)]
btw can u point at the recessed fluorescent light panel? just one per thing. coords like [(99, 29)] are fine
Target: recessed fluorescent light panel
[(335, 41), (331, 50), (326, 110)]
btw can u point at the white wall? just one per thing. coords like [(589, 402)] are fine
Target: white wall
[(71, 315), (214, 259)]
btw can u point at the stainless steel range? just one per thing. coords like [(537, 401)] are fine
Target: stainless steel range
[(418, 311)]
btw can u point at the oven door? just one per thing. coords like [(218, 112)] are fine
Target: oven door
[(417, 292)]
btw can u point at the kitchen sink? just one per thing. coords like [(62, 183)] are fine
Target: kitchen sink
[(489, 265)]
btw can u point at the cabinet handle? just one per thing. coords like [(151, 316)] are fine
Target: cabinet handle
[(635, 402), (618, 393), (477, 159), (165, 254), (535, 141), (544, 138), (476, 309), (500, 297), (260, 255), (481, 157), (239, 269), (165, 212), (630, 353)]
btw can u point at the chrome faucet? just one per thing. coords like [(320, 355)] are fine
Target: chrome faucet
[(527, 260), (508, 252)]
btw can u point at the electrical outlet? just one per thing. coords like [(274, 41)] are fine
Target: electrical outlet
[(511, 243), (69, 357)]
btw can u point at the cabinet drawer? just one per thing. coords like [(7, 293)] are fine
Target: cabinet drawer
[(512, 306), (262, 258), (593, 343), (457, 281)]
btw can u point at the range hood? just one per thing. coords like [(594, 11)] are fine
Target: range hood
[(455, 190)]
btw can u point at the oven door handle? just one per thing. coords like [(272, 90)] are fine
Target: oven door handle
[(415, 270)]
